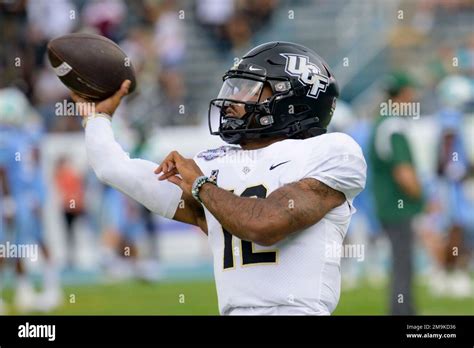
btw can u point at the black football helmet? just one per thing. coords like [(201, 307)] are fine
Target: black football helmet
[(303, 99)]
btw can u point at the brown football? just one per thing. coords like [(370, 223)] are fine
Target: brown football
[(90, 65)]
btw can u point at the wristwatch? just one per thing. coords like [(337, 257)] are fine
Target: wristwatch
[(94, 115), (198, 183)]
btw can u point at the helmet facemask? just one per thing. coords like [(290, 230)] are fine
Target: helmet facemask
[(242, 109)]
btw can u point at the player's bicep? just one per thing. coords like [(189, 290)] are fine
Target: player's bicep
[(304, 203), (405, 176)]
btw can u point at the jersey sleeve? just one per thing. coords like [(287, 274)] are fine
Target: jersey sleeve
[(338, 163), (133, 177)]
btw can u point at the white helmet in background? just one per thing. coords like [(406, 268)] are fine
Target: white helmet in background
[(15, 109), (343, 117), (455, 91)]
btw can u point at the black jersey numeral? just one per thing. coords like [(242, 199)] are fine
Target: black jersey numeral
[(249, 256)]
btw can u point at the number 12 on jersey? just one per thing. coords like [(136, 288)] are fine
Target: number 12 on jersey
[(249, 256)]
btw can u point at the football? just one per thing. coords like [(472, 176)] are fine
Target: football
[(90, 65)]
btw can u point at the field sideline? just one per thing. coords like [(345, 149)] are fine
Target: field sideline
[(199, 298)]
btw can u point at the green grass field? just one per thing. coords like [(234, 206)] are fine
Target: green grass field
[(199, 298)]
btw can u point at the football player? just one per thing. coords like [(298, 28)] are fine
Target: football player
[(22, 199), (276, 202)]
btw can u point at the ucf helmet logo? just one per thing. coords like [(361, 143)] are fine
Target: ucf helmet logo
[(307, 73)]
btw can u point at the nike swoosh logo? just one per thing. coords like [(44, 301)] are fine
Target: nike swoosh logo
[(279, 164), (251, 68)]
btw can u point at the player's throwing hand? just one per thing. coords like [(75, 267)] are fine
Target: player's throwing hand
[(106, 106)]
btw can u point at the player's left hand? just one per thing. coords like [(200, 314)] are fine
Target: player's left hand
[(179, 170)]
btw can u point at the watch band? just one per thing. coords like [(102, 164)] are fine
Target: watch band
[(198, 183), (94, 115)]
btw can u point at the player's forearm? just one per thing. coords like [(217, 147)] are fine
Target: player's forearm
[(133, 177), (252, 219), (406, 178)]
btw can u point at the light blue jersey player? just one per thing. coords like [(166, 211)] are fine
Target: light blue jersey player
[(19, 160), (32, 193), (10, 142), (25, 182)]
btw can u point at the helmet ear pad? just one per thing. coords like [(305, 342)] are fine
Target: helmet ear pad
[(292, 114)]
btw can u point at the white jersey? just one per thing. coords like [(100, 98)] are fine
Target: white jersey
[(296, 273)]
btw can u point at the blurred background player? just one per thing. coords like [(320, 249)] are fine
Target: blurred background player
[(124, 227), (69, 184), (31, 226), (23, 195), (397, 191), (448, 225)]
